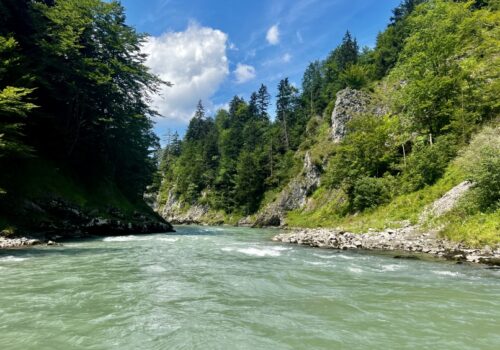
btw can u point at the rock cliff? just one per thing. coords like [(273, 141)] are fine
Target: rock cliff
[(293, 196), (176, 212), (350, 103)]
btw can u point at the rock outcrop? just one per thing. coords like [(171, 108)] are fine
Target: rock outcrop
[(52, 217), (446, 202), (18, 242), (293, 196), (350, 103), (181, 214)]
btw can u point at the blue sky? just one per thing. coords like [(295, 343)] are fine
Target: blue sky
[(215, 49)]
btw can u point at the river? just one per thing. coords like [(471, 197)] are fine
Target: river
[(232, 288)]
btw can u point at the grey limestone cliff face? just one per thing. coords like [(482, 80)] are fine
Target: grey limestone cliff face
[(349, 104), (293, 196)]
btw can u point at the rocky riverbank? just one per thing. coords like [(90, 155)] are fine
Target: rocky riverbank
[(18, 242), (408, 239), (47, 220)]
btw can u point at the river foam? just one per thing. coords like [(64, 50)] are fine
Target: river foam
[(122, 239), (12, 258), (257, 251), (446, 273)]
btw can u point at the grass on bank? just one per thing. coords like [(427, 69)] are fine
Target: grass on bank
[(402, 208), (475, 230), (475, 220)]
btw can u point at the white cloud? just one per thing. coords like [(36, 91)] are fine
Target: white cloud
[(287, 57), (195, 61), (244, 73), (273, 35)]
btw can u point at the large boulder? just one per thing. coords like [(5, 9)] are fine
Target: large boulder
[(446, 203)]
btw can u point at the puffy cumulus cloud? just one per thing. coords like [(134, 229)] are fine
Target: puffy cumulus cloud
[(244, 73), (195, 61), (273, 35)]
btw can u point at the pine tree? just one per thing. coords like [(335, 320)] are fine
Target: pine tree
[(285, 101), (262, 101), (253, 109), (311, 88), (196, 128), (347, 53)]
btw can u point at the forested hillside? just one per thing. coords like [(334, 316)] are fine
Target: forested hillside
[(404, 115), (75, 125)]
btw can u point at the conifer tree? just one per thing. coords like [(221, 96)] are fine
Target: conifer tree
[(262, 102)]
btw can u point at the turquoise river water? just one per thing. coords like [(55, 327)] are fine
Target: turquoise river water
[(232, 288)]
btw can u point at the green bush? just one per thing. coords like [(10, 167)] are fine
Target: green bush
[(427, 163), (370, 192), (481, 161)]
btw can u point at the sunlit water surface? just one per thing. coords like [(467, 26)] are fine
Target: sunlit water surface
[(232, 288)]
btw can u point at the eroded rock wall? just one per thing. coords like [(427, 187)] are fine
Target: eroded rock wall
[(294, 195), (350, 103)]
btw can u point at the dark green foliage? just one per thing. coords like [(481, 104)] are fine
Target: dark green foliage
[(370, 192), (231, 161), (487, 179), (312, 83), (481, 160), (391, 41), (339, 60), (404, 10), (344, 55), (427, 163), (82, 66), (249, 182), (367, 151), (262, 100), (433, 70), (285, 104), (14, 105)]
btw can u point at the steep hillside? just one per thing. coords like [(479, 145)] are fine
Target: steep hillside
[(76, 134), (371, 140)]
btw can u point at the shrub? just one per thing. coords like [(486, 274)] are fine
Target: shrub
[(481, 161), (427, 163), (370, 192)]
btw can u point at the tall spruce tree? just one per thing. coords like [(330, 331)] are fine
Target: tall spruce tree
[(262, 102), (285, 103)]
